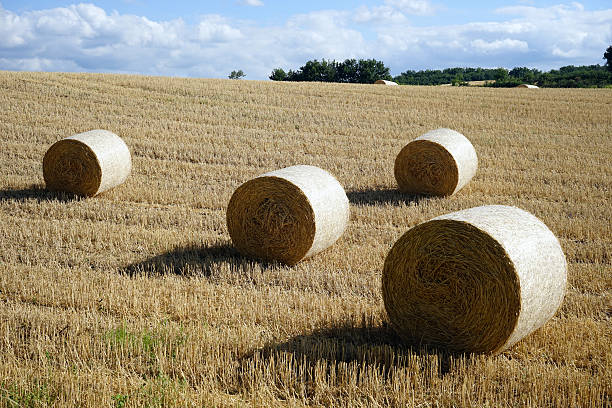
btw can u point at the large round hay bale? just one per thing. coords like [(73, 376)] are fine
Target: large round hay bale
[(440, 162), (87, 163), (287, 215), (476, 280)]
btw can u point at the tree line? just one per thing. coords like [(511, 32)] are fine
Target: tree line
[(367, 71), (363, 71)]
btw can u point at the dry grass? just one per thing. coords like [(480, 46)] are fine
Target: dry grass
[(136, 297)]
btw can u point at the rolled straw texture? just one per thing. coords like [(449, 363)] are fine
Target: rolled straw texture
[(87, 163), (476, 280), (287, 215), (440, 162)]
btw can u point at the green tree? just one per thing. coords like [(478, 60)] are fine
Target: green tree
[(370, 71), (458, 80), (328, 71), (523, 73), (347, 71), (501, 74), (608, 57), (236, 74), (278, 74)]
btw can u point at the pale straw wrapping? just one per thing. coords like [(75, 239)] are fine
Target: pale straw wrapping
[(440, 162), (87, 164), (287, 215), (477, 280), (385, 82)]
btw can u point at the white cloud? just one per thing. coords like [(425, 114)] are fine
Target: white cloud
[(501, 28), (214, 28), (490, 47), (545, 37), (392, 11), (85, 37), (254, 3), (38, 64), (417, 7), (380, 14)]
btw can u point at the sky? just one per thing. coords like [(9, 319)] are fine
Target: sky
[(209, 39)]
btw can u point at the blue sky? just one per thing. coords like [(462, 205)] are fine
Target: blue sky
[(210, 39)]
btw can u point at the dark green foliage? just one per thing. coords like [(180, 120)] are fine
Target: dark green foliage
[(526, 75), (591, 76), (350, 71), (369, 71), (565, 77), (608, 57), (278, 74), (446, 76), (458, 80), (236, 74)]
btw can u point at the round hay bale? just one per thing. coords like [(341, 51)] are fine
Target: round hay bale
[(287, 215), (529, 86), (440, 162), (476, 280), (87, 163), (385, 82)]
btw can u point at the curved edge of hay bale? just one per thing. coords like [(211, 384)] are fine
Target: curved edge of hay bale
[(537, 257), (476, 280), (271, 219), (71, 166), (327, 199), (112, 153), (529, 86), (439, 162), (460, 148), (287, 215), (385, 82), (102, 161), (436, 292)]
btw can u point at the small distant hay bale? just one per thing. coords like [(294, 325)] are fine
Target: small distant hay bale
[(287, 215), (440, 162), (527, 86), (385, 82), (477, 280), (87, 163)]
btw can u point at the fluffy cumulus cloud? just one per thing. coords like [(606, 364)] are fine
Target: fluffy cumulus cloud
[(497, 46), (85, 37), (392, 11), (214, 28), (544, 38), (418, 7)]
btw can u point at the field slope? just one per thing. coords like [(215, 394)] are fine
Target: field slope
[(137, 297)]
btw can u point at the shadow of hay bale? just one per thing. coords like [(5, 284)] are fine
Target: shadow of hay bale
[(37, 193), (194, 260), (379, 347), (384, 196)]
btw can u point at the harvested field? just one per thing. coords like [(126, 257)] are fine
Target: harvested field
[(136, 297)]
